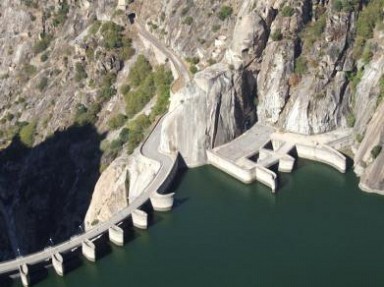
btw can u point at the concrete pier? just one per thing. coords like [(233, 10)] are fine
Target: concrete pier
[(66, 262), (162, 202), (88, 249), (116, 235), (24, 275), (31, 274), (58, 263), (140, 219)]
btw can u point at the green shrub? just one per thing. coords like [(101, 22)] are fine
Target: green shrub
[(85, 115), (42, 44), (277, 35), (61, 16), (136, 100), (188, 21), (124, 135), (81, 74), (376, 151), (193, 69), (95, 27), (139, 71), (29, 70), (368, 19), (351, 120), (27, 134), (125, 88), (287, 11), (225, 12), (42, 84), (44, 57), (345, 5), (126, 52), (117, 121), (185, 10), (137, 129), (112, 35), (163, 79), (216, 28), (301, 65), (107, 89), (359, 138), (194, 60), (381, 94), (354, 78)]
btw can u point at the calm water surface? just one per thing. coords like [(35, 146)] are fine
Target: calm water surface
[(319, 230)]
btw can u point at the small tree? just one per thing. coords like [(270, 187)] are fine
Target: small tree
[(225, 12), (376, 151), (287, 11), (277, 35), (27, 134)]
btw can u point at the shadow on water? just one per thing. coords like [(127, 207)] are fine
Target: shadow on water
[(5, 281), (49, 186)]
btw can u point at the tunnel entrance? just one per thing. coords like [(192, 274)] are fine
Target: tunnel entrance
[(132, 17)]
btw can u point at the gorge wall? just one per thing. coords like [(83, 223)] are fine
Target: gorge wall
[(303, 66)]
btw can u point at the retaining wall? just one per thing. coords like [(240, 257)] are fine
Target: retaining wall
[(324, 154)]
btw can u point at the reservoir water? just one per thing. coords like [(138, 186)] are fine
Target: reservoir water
[(318, 230)]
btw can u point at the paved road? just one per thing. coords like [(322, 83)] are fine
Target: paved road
[(149, 149), (180, 67)]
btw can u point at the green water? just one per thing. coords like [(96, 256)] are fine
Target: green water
[(319, 230)]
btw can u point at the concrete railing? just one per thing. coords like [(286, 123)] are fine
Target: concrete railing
[(324, 154)]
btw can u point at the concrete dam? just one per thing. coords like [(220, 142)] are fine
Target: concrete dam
[(247, 158)]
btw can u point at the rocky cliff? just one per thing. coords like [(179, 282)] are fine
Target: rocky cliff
[(304, 66)]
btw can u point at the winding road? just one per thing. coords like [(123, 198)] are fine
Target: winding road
[(179, 65), (149, 148)]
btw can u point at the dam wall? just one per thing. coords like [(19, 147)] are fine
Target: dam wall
[(324, 154)]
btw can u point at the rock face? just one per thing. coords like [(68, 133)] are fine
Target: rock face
[(211, 110), (121, 182), (372, 178), (249, 39), (290, 64)]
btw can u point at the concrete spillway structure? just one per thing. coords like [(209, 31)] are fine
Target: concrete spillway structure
[(250, 157), (324, 154)]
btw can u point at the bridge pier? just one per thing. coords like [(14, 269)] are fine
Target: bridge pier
[(58, 263), (162, 202), (88, 249), (66, 262), (116, 235), (31, 274), (140, 219)]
